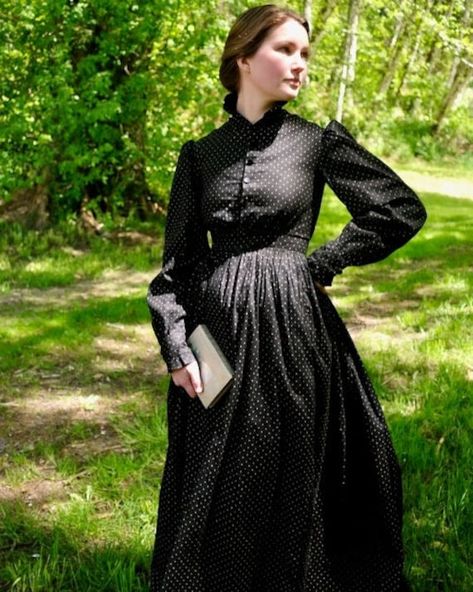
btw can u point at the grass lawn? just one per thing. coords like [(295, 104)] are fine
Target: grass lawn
[(83, 390)]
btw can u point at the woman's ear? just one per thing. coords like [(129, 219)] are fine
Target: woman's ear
[(243, 64)]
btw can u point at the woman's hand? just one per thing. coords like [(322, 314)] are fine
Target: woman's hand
[(188, 377)]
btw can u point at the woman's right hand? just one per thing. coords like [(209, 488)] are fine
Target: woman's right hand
[(188, 377)]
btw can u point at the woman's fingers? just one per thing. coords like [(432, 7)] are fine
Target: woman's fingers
[(194, 372), (188, 377)]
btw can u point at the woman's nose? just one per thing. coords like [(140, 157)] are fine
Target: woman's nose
[(299, 64)]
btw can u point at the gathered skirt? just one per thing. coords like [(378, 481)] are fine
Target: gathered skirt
[(290, 483)]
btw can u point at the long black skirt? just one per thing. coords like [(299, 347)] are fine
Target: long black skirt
[(290, 483)]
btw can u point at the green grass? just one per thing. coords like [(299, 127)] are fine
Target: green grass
[(83, 414), (64, 255), (451, 167)]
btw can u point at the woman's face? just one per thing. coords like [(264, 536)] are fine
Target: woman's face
[(279, 67)]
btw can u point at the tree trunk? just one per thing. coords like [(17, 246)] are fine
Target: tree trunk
[(456, 62), (349, 60), (436, 47), (308, 15), (28, 207), (319, 31), (396, 46), (461, 73), (414, 51), (464, 74)]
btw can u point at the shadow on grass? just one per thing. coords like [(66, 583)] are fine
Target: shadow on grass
[(433, 445), (36, 556), (57, 338), (426, 397), (93, 530)]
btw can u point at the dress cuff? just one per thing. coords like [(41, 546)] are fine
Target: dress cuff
[(324, 265), (179, 359)]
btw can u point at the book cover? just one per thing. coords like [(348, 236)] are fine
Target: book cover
[(215, 370)]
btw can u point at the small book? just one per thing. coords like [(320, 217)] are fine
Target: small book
[(215, 370)]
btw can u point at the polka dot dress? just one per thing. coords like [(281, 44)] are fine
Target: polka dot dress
[(290, 483)]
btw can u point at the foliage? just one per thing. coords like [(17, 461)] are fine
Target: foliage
[(97, 96), (76, 98)]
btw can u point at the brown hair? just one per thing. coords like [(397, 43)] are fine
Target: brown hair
[(247, 34)]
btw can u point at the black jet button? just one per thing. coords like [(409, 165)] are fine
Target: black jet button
[(249, 160)]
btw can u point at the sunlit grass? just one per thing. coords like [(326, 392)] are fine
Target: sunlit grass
[(84, 413), (448, 167), (63, 255)]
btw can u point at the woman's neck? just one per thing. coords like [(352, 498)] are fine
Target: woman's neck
[(252, 108)]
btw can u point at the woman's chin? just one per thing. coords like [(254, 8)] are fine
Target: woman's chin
[(287, 95), (289, 90)]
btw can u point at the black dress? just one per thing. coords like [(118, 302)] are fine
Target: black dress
[(290, 483)]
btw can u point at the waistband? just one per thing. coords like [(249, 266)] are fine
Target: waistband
[(226, 243)]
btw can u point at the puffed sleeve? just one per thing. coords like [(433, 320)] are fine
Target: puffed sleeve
[(385, 212), (185, 244)]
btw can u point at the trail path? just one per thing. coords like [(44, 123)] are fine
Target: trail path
[(39, 404), (452, 187)]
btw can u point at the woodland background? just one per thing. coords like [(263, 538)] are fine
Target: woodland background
[(96, 99), (96, 96)]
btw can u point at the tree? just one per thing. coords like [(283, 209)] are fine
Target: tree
[(349, 61), (78, 99)]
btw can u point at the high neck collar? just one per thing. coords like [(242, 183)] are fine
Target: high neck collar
[(274, 112)]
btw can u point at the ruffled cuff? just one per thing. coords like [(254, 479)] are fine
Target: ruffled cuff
[(323, 265), (178, 358)]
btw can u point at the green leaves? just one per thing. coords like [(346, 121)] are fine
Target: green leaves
[(102, 94)]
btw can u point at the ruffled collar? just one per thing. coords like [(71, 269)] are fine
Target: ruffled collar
[(274, 112)]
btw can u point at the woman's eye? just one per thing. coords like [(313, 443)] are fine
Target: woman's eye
[(287, 49)]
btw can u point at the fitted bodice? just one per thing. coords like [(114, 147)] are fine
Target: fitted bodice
[(258, 183)]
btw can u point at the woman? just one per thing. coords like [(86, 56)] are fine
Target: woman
[(290, 483)]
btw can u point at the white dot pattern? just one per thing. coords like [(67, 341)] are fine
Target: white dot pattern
[(290, 483)]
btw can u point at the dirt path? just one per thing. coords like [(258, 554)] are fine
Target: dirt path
[(460, 188), (39, 404), (71, 396)]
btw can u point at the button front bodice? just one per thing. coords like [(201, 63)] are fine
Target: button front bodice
[(257, 180), (258, 185)]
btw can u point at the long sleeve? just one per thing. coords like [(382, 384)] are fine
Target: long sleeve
[(386, 213), (185, 244)]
